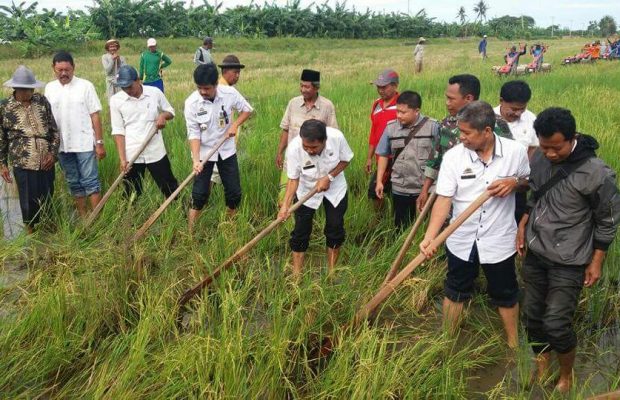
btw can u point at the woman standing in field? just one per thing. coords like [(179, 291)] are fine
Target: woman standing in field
[(29, 138), (112, 62)]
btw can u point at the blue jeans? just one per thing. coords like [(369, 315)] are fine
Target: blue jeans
[(159, 84), (81, 172)]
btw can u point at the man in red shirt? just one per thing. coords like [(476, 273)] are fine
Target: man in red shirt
[(383, 111)]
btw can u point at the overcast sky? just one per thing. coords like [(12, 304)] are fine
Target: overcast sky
[(570, 13)]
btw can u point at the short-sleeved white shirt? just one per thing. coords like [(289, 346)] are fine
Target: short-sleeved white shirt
[(309, 169), (523, 128), (206, 120), (134, 118), (464, 177), (72, 104)]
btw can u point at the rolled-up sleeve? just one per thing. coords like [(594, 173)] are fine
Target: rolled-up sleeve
[(163, 104), (286, 119), (193, 127), (116, 118), (241, 104), (345, 153), (447, 180), (293, 163), (92, 101)]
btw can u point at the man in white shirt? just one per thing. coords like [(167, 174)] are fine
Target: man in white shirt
[(134, 113), (208, 115), (482, 161), (317, 158), (513, 99), (76, 109)]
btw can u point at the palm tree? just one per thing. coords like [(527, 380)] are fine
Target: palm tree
[(461, 15), (481, 9)]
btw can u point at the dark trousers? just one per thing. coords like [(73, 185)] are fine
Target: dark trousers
[(35, 188), (502, 286), (334, 225), (404, 209), (229, 173), (551, 296), (161, 171)]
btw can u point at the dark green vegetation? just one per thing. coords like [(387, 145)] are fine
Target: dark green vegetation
[(40, 32)]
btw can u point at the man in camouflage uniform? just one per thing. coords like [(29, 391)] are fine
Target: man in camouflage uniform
[(461, 90)]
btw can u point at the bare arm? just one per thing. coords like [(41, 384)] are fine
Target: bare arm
[(119, 141), (95, 119), (440, 212), (281, 148), (291, 189), (381, 168), (194, 146)]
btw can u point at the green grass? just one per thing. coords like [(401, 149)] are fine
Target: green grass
[(94, 320)]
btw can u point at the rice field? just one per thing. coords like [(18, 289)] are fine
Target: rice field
[(92, 318)]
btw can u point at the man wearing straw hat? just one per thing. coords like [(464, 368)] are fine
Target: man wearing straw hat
[(231, 70), (418, 55), (483, 161), (209, 118), (134, 113), (310, 105), (29, 141), (112, 61)]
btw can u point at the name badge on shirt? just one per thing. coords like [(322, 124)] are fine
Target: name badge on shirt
[(308, 166), (468, 174), (202, 112)]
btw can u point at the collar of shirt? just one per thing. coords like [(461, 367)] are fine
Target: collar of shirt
[(317, 103), (381, 103), (416, 123), (498, 151)]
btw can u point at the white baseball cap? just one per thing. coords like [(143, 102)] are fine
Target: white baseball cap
[(151, 42)]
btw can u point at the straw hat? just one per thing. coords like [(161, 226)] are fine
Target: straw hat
[(23, 78), (110, 43)]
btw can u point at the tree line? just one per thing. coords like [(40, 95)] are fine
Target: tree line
[(38, 31)]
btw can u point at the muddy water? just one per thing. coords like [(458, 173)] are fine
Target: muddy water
[(12, 274), (597, 366)]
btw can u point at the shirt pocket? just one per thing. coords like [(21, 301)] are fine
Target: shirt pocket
[(149, 113)]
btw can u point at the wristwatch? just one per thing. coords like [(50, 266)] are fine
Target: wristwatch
[(99, 141), (330, 177)]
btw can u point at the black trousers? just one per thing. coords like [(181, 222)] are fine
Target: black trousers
[(229, 172), (334, 225), (35, 188), (404, 209), (551, 296), (161, 171)]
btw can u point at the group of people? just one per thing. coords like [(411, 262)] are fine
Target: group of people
[(563, 230), (64, 125)]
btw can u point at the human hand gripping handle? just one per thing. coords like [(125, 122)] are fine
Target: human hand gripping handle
[(429, 245)]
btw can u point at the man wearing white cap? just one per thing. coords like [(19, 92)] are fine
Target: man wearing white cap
[(152, 62), (29, 141), (418, 54)]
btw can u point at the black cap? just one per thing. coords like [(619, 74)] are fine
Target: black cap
[(309, 75), (126, 76)]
